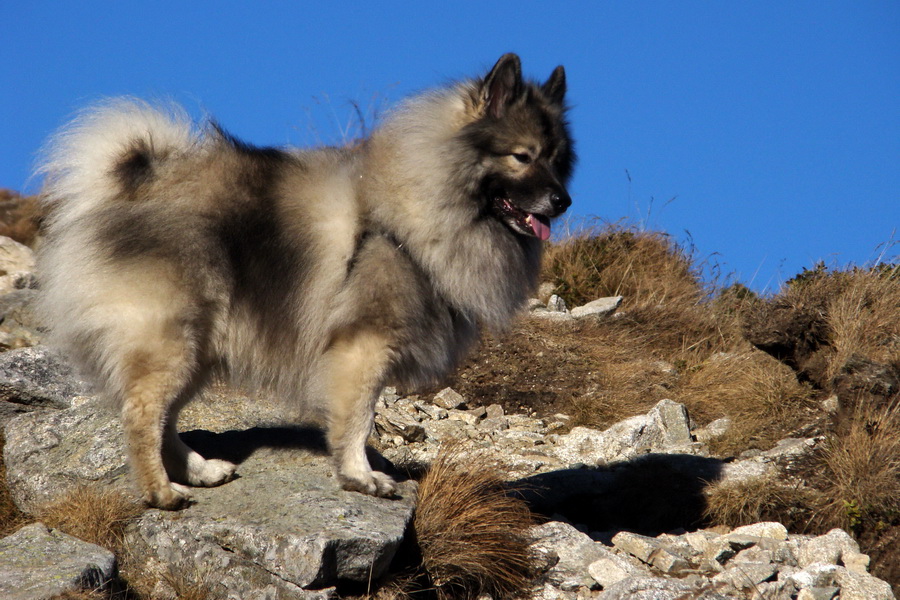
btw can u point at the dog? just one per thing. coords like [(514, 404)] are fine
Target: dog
[(175, 253)]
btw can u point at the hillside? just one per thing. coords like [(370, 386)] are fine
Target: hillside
[(819, 359), (816, 364)]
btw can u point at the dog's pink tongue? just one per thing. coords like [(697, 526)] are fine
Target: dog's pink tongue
[(540, 225)]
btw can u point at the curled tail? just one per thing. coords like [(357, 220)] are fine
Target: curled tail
[(93, 165), (106, 152)]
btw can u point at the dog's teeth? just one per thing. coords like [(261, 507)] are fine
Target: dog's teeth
[(528, 220)]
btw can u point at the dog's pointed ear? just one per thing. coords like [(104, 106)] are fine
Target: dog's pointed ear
[(502, 85), (555, 87)]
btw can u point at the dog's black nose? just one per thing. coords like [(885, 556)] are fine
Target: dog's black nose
[(560, 201)]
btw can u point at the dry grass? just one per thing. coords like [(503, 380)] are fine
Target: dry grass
[(762, 397), (864, 317), (761, 499), (198, 587), (674, 338), (471, 533), (94, 515), (646, 267), (862, 467), (20, 217), (828, 323)]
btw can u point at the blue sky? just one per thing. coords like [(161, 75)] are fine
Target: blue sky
[(765, 134)]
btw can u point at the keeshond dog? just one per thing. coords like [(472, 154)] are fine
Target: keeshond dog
[(176, 253)]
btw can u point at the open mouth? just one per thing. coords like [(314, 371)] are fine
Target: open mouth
[(524, 222)]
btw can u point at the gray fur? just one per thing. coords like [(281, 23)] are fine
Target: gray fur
[(174, 253)]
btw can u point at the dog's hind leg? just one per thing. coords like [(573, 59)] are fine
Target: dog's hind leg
[(152, 383), (356, 363)]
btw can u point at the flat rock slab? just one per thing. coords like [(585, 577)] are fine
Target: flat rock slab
[(283, 523), (37, 563), (49, 453), (38, 377)]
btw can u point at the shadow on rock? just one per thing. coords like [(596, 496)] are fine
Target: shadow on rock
[(650, 495), (238, 445)]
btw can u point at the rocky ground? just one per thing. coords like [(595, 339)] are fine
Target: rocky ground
[(617, 507)]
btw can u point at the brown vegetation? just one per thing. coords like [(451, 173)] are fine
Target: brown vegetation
[(20, 217), (672, 338), (92, 514), (766, 363), (471, 533)]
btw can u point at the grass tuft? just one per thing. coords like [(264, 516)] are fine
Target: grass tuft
[(471, 533), (862, 466), (765, 498), (92, 514), (646, 267)]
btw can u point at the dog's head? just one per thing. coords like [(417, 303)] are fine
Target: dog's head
[(524, 145)]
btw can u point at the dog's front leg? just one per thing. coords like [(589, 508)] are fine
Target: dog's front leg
[(356, 363)]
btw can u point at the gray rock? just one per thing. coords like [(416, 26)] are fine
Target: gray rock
[(575, 550), (673, 422), (449, 399), (16, 262), (815, 575), (770, 530), (853, 586), (652, 551), (656, 588), (827, 549), (855, 561), (551, 315), (19, 326), (831, 404), (860, 586), (49, 453), (548, 591), (37, 563), (666, 428), (747, 575), (400, 425), (602, 307), (494, 411), (557, 304), (431, 411), (638, 546), (470, 417), (817, 593), (534, 304), (284, 522), (714, 430), (613, 568), (38, 377)]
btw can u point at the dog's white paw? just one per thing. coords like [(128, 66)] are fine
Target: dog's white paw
[(372, 483), (208, 472), (171, 497)]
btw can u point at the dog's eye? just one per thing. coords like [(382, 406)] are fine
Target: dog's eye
[(523, 158)]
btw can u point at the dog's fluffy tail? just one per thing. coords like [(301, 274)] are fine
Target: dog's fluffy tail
[(106, 151), (102, 157)]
